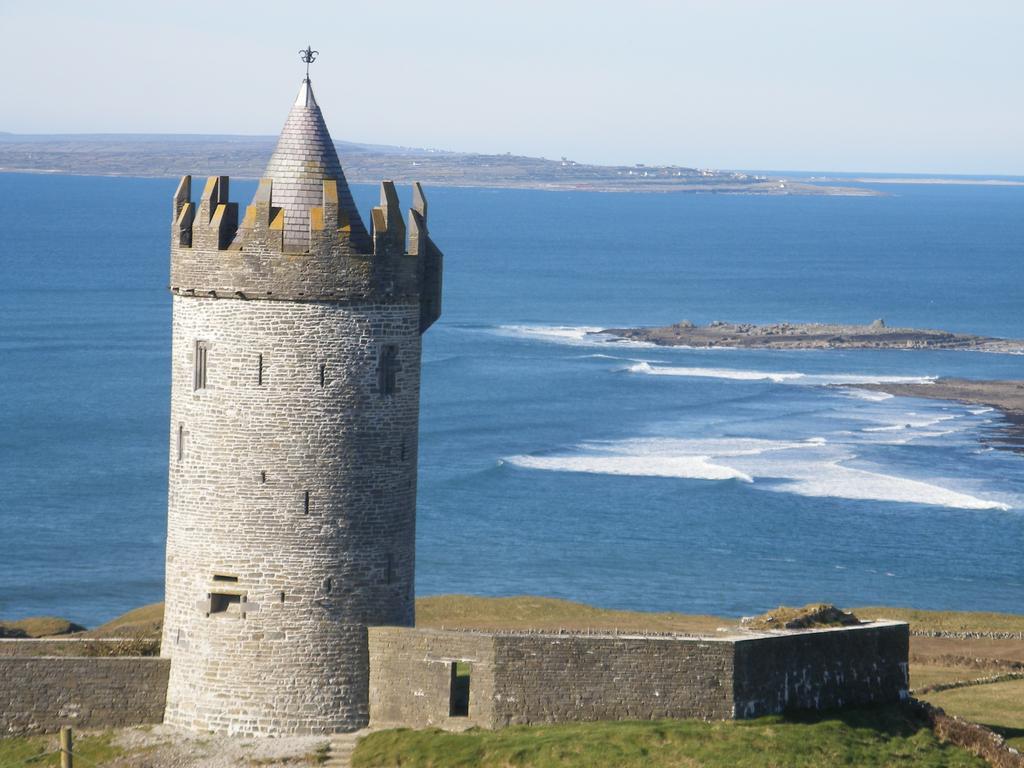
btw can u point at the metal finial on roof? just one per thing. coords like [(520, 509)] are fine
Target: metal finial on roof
[(308, 55)]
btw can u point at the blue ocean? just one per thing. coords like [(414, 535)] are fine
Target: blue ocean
[(554, 461)]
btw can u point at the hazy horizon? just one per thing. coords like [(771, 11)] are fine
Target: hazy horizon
[(863, 87)]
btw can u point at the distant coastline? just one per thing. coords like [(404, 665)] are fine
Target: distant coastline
[(811, 336), (938, 180), (171, 156)]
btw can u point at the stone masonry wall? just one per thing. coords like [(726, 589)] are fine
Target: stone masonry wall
[(549, 678), (822, 669), (39, 695), (292, 497), (335, 265), (410, 677), (552, 679)]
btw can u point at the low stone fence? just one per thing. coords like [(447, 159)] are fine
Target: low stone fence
[(953, 685), (957, 635), (977, 739), (40, 693)]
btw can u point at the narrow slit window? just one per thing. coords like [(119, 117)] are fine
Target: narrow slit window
[(181, 442), (458, 700), (328, 585), (201, 359), (305, 502), (389, 575), (225, 578), (323, 374), (259, 370), (263, 476), (387, 369), (405, 450)]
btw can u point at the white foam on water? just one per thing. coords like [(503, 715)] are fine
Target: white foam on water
[(867, 394), (778, 377), (812, 467), (602, 356), (834, 479), (692, 467), (713, 373), (842, 379), (916, 421), (572, 335), (980, 411)]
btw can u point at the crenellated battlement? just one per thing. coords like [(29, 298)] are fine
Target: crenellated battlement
[(214, 254)]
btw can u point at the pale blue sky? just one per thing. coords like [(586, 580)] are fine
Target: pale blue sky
[(860, 85)]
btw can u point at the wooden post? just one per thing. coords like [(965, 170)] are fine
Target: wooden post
[(66, 756)]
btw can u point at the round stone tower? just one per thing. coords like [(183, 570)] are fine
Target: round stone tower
[(294, 425)]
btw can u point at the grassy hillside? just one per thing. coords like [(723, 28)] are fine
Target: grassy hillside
[(947, 621), (1000, 706), (38, 626), (887, 736), (146, 621), (530, 612)]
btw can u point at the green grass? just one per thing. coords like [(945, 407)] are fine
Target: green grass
[(947, 621), (888, 736), (531, 612), (922, 675), (146, 621), (34, 751), (1000, 706), (38, 626)]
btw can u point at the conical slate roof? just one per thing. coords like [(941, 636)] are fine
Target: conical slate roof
[(304, 157)]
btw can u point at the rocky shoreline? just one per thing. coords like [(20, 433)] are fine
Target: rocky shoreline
[(877, 335), (1005, 396), (812, 336)]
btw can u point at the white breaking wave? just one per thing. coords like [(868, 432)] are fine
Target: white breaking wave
[(696, 467), (602, 356), (713, 373), (574, 335), (867, 394), (915, 421), (811, 467), (846, 482), (779, 377)]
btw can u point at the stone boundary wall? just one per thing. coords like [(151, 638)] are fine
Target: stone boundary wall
[(822, 669), (957, 635), (977, 739), (40, 694), (939, 687), (521, 678), (410, 677), (567, 678)]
